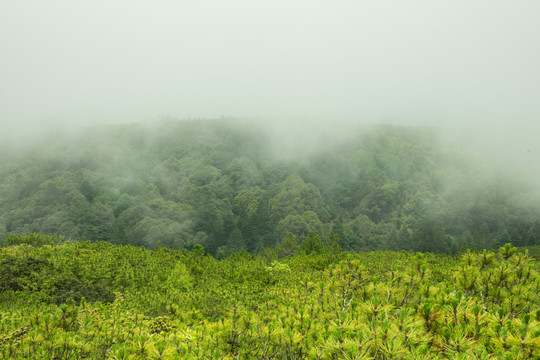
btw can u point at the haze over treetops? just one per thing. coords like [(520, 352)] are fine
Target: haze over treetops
[(232, 185)]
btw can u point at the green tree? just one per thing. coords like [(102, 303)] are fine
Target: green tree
[(360, 234), (430, 236), (289, 245), (311, 244), (295, 224)]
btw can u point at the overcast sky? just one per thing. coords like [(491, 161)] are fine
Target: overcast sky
[(404, 61)]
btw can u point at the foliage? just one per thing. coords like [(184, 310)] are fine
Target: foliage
[(21, 273), (221, 184), (33, 239), (72, 289), (171, 304)]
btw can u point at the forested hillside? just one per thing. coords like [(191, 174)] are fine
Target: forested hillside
[(229, 185)]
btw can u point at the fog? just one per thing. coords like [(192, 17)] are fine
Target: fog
[(453, 63), (459, 82)]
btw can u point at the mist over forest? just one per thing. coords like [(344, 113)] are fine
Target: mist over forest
[(232, 185), (244, 125)]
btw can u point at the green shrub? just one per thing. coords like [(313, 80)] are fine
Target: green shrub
[(33, 239), (19, 273), (71, 289)]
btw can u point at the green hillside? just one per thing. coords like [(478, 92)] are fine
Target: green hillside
[(230, 186)]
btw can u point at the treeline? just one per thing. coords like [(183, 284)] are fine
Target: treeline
[(230, 186)]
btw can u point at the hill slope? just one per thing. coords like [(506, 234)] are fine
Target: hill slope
[(230, 185)]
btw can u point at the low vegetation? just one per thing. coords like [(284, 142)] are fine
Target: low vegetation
[(70, 300)]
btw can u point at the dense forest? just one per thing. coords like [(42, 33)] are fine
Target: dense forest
[(231, 185)]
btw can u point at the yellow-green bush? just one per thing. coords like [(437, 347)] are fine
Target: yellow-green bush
[(380, 305)]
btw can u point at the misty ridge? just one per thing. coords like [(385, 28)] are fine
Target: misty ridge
[(242, 184), (388, 125)]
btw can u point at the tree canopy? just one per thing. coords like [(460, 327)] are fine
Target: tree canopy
[(227, 186)]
